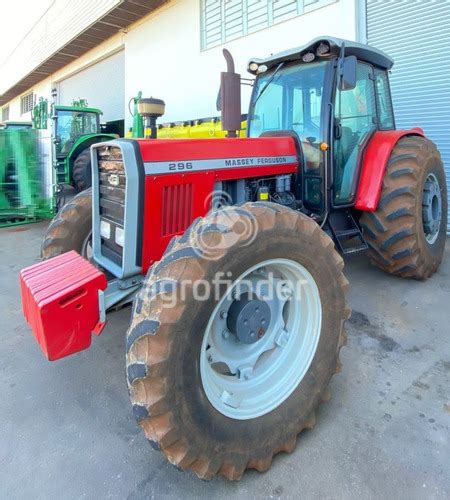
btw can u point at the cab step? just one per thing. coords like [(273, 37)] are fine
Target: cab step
[(346, 233)]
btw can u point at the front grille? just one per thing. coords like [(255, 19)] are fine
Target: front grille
[(176, 214), (112, 182)]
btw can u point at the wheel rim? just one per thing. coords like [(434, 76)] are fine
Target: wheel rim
[(86, 248), (246, 377), (431, 208)]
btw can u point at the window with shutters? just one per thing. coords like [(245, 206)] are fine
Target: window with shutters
[(225, 20), (5, 113), (26, 103)]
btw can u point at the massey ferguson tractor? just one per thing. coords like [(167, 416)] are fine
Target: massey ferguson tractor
[(230, 251)]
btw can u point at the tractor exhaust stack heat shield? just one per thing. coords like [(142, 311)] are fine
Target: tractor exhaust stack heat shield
[(60, 303)]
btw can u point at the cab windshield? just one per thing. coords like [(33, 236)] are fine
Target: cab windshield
[(290, 98), (71, 125)]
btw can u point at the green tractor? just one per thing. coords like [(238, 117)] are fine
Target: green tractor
[(75, 129)]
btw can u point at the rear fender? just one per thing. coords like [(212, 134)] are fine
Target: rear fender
[(86, 141), (374, 165)]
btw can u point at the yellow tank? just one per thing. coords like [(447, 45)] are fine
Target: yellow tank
[(208, 128)]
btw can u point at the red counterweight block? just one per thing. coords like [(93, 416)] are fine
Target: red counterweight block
[(60, 303)]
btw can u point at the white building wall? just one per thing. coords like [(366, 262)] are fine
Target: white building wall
[(43, 88), (107, 94), (164, 60)]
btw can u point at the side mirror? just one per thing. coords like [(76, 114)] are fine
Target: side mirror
[(230, 97), (348, 73)]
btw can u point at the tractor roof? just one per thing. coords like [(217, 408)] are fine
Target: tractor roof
[(13, 122), (81, 109), (361, 51)]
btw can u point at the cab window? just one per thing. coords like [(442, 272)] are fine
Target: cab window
[(290, 98), (355, 121), (384, 102), (71, 125)]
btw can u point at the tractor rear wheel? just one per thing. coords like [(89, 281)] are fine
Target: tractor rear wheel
[(234, 338), (81, 170), (71, 228), (406, 234)]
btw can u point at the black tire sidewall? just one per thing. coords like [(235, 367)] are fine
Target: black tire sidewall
[(82, 170)]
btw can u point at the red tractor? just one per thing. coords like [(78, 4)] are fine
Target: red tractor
[(229, 250)]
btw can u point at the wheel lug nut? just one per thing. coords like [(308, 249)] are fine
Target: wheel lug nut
[(223, 314), (225, 334)]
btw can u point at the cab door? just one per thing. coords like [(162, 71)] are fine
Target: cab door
[(355, 119)]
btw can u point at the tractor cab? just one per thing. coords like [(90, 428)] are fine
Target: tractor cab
[(71, 123), (75, 129), (332, 95)]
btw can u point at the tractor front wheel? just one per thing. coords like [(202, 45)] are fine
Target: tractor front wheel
[(406, 234), (234, 338), (71, 228), (81, 170)]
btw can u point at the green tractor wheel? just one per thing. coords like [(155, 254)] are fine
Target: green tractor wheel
[(81, 170)]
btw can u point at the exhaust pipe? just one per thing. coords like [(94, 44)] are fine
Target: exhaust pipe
[(229, 98)]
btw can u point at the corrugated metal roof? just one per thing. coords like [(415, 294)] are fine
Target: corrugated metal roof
[(117, 19)]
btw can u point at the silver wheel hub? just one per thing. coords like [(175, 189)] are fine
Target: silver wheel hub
[(431, 208), (261, 339)]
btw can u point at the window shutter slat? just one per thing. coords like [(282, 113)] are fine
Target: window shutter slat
[(224, 20)]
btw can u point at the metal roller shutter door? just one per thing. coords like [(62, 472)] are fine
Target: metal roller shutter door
[(416, 34), (102, 84)]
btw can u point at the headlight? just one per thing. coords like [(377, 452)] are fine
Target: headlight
[(253, 66), (262, 68), (308, 57), (105, 229), (119, 236), (322, 49)]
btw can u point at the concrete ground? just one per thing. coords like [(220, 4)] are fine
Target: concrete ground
[(67, 429)]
